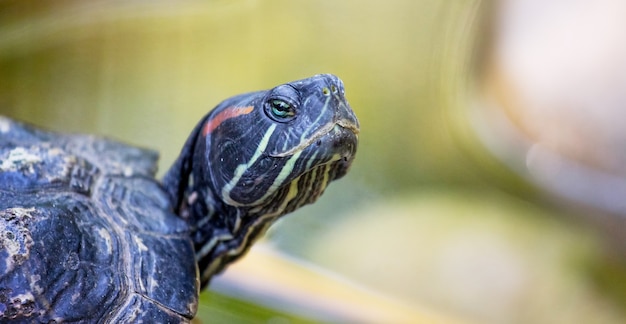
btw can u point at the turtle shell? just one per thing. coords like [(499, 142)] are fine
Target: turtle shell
[(88, 234)]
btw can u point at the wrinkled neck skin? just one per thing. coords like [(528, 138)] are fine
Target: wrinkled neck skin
[(221, 233)]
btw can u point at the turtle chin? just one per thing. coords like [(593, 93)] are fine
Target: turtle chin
[(338, 149), (346, 141)]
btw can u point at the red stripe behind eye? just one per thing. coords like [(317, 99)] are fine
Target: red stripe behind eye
[(227, 113)]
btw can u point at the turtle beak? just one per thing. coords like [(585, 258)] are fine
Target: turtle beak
[(345, 138), (345, 118), (347, 131), (345, 141)]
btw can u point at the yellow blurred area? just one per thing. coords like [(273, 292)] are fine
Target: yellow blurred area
[(489, 182), (316, 291)]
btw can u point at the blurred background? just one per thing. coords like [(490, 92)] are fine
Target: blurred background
[(490, 182)]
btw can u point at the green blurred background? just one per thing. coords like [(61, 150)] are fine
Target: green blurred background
[(430, 215)]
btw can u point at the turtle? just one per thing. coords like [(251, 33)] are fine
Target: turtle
[(88, 234)]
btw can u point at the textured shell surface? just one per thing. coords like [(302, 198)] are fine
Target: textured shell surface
[(87, 233)]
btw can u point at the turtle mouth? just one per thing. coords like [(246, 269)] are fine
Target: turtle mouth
[(349, 124), (333, 147), (342, 133)]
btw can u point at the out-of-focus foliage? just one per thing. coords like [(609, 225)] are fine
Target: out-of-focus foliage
[(215, 308), (424, 200)]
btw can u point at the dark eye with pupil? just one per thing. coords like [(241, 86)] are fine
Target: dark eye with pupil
[(281, 109)]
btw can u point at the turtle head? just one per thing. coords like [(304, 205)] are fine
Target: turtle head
[(258, 156), (281, 147)]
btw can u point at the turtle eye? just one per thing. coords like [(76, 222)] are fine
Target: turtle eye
[(280, 110)]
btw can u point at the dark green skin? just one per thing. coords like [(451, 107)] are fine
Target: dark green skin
[(88, 235)]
